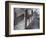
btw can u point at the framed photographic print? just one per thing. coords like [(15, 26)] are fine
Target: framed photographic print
[(24, 18)]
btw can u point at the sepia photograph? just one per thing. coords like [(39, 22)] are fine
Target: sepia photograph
[(26, 18)]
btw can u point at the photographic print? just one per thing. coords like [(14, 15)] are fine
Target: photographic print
[(24, 18)]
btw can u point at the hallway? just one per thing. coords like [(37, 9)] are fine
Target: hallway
[(26, 19)]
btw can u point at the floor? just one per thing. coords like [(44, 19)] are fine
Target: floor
[(20, 25), (33, 25)]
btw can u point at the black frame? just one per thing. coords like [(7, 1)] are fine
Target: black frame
[(7, 18)]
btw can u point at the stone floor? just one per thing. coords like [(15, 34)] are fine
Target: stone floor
[(33, 25), (20, 25)]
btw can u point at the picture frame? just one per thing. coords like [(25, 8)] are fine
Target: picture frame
[(16, 11)]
